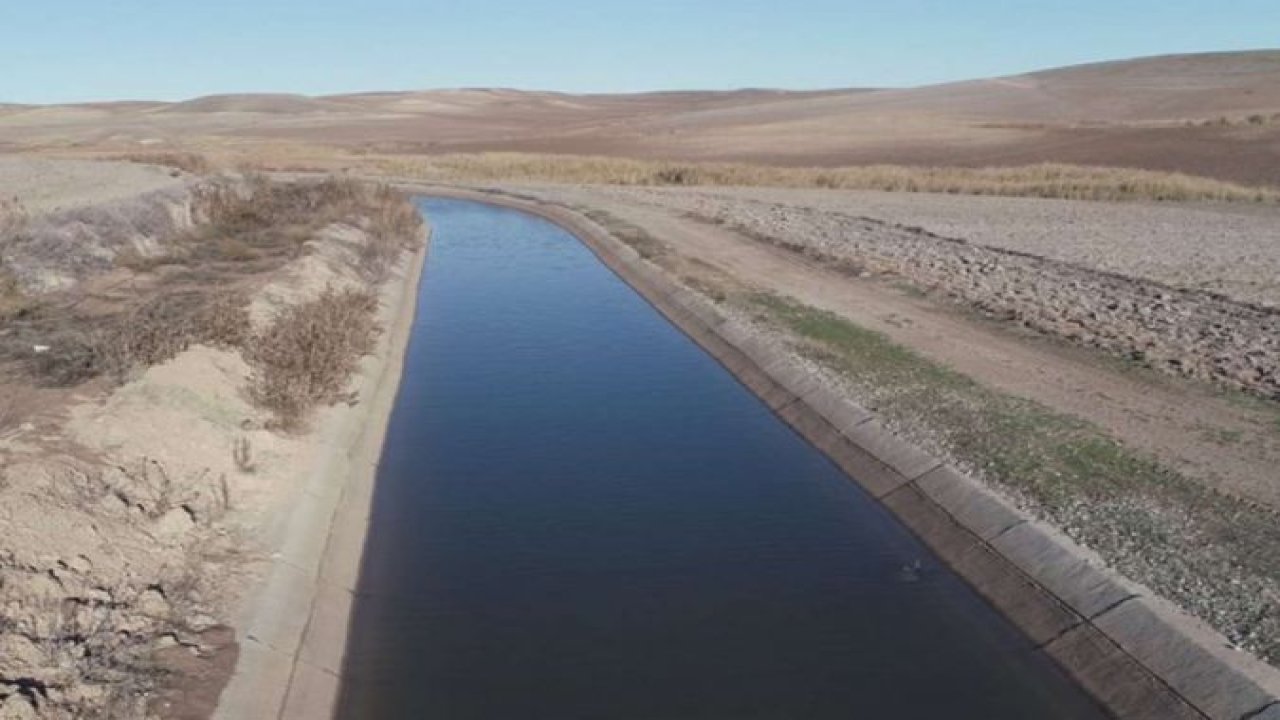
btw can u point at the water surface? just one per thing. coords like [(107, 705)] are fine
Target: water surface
[(579, 514)]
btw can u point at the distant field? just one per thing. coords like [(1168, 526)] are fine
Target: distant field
[(1213, 115), (1043, 180)]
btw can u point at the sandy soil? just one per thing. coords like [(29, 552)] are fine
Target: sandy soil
[(44, 185), (1183, 424)]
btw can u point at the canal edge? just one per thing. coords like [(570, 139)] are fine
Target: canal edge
[(293, 630), (1137, 654)]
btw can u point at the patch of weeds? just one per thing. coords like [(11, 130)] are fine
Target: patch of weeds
[(13, 301), (61, 347), (910, 290), (1268, 410), (649, 247), (306, 356), (1211, 553), (188, 162), (708, 280), (1222, 436)]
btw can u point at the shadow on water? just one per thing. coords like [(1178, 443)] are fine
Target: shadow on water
[(579, 514)]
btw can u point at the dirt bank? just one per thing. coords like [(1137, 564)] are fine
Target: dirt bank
[(294, 624), (136, 510)]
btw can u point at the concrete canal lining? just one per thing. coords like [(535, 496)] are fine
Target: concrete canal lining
[(294, 628), (1135, 653)]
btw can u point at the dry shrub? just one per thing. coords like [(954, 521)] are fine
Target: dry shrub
[(308, 353), (73, 349), (133, 259), (262, 203), (1045, 180), (12, 300), (262, 218), (252, 228), (13, 221), (166, 325), (187, 162), (13, 218), (395, 225), (265, 217)]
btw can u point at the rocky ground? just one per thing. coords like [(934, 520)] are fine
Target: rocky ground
[(1228, 249), (1134, 286)]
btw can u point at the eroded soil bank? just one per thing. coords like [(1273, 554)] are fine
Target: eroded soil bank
[(143, 482)]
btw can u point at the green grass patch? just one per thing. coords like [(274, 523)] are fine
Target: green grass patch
[(649, 247), (1204, 550)]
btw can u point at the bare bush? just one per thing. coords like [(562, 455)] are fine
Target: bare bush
[(395, 226), (242, 454), (308, 353)]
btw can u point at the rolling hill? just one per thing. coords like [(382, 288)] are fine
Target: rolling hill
[(1215, 114)]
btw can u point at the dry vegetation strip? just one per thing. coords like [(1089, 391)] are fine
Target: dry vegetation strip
[(1210, 553), (188, 162), (1044, 181)]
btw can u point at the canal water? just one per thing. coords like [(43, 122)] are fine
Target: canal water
[(580, 515)]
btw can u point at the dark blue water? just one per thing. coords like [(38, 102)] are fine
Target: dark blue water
[(579, 515)]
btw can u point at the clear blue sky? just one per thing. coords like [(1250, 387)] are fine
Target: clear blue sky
[(70, 50)]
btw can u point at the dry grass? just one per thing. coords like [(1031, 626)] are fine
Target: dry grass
[(188, 162), (13, 220), (17, 403), (60, 346), (164, 326), (394, 226), (12, 300), (308, 353), (197, 290), (267, 215), (1045, 181)]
